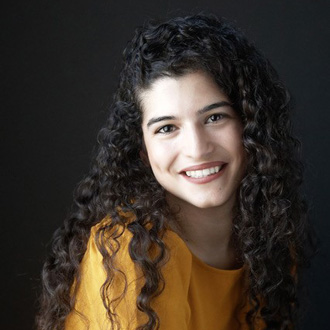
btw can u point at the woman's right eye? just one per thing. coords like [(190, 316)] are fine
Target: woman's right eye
[(165, 129)]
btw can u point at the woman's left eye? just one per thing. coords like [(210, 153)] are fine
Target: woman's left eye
[(215, 117)]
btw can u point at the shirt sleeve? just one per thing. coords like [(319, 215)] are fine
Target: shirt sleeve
[(171, 306)]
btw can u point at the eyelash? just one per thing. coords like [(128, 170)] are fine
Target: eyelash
[(218, 115), (162, 128), (172, 127)]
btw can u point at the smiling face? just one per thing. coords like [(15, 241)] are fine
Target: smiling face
[(193, 140)]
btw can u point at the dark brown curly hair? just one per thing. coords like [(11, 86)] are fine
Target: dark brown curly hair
[(270, 225)]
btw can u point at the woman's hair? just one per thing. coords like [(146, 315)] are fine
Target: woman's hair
[(270, 226)]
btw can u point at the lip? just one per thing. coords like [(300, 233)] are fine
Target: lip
[(205, 179), (203, 166)]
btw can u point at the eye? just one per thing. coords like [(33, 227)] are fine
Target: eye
[(215, 117), (165, 129)]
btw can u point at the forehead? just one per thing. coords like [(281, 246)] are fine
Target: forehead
[(173, 95)]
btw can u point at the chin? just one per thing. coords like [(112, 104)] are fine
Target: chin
[(206, 204)]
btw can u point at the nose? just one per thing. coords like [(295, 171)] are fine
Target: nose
[(196, 144)]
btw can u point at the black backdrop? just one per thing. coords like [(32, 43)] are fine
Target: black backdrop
[(60, 67)]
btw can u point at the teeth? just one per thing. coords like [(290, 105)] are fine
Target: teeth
[(203, 173)]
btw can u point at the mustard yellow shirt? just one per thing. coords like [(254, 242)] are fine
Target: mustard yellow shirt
[(196, 296)]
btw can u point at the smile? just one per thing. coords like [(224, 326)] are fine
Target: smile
[(203, 173)]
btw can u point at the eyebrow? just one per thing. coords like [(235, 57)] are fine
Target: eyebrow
[(200, 112)]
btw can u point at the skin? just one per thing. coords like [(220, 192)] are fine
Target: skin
[(189, 124)]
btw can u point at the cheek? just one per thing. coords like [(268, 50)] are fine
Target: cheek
[(241, 156), (156, 156), (152, 150), (160, 150), (162, 158), (232, 142), (235, 139)]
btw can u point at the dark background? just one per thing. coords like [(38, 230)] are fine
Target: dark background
[(60, 65)]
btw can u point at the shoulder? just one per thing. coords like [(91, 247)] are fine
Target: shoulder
[(178, 253), (178, 264), (128, 280), (105, 241), (93, 288)]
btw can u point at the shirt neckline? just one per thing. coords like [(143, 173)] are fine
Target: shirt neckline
[(205, 266)]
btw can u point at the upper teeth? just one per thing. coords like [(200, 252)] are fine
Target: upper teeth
[(203, 173)]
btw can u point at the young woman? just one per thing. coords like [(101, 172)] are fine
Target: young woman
[(190, 217)]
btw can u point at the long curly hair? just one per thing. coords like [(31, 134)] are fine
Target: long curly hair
[(270, 226)]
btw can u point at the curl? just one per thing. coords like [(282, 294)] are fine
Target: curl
[(270, 226)]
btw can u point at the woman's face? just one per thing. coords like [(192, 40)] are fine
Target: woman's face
[(193, 140)]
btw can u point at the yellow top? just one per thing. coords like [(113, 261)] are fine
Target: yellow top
[(196, 296)]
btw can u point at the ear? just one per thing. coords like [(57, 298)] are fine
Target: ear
[(144, 157)]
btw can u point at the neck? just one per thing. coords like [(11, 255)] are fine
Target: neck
[(207, 233)]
